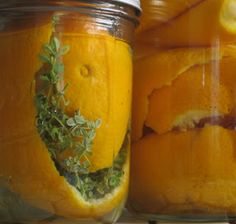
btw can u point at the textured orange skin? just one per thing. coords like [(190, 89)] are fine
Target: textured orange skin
[(19, 64), (194, 90), (228, 78), (198, 26), (161, 69), (100, 86), (98, 71), (181, 171)]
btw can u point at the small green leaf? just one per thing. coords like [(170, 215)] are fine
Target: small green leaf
[(86, 164), (90, 194), (55, 43), (45, 59), (71, 122), (59, 68), (98, 123), (44, 78), (48, 49), (55, 20), (78, 119)]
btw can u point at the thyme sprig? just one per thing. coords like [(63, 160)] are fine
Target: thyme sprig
[(62, 132), (97, 185)]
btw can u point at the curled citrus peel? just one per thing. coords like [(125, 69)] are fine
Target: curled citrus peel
[(160, 70)]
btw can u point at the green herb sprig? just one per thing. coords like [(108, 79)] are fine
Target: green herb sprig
[(59, 131), (62, 132), (97, 185)]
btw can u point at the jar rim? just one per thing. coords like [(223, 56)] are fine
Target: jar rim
[(135, 3)]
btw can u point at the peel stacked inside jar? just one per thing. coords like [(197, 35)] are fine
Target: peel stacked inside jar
[(184, 109)]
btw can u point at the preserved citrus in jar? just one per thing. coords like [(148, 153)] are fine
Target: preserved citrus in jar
[(66, 74), (184, 138)]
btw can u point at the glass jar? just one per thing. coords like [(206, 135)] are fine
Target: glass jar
[(184, 112), (66, 74)]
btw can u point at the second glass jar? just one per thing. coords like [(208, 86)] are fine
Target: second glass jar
[(184, 112)]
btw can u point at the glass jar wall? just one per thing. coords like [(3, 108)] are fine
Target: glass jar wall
[(184, 120), (66, 74)]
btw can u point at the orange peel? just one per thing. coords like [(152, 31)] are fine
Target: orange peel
[(203, 24), (160, 69), (193, 169)]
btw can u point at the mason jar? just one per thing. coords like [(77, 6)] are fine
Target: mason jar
[(66, 74), (183, 165)]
